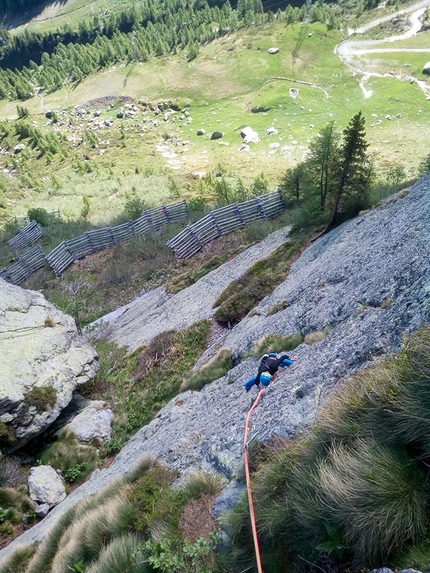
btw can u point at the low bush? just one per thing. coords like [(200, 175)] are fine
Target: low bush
[(314, 337), (212, 370)]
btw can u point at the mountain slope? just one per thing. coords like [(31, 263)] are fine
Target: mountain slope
[(364, 286)]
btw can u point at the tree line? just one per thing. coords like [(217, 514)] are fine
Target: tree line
[(146, 29)]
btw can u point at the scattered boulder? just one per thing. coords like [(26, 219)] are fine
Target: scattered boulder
[(120, 114), (426, 69), (294, 92), (93, 422), (271, 131), (243, 148), (44, 359), (18, 148), (273, 50), (49, 114), (261, 108), (201, 131), (46, 486), (217, 135), (249, 135)]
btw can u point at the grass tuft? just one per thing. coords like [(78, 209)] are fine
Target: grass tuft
[(277, 343), (212, 370)]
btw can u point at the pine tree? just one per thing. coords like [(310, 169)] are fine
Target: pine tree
[(354, 168)]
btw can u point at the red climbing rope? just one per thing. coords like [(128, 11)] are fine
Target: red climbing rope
[(248, 483)]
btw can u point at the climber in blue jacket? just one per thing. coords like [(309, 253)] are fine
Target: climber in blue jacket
[(269, 365)]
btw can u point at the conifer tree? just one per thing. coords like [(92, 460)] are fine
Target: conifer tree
[(354, 167)]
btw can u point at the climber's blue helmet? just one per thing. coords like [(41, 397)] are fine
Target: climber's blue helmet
[(265, 378)]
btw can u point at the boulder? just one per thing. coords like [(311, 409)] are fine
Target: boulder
[(43, 360), (42, 510), (46, 486), (426, 69), (217, 135), (249, 135), (93, 422), (273, 50), (271, 131), (201, 131), (18, 148)]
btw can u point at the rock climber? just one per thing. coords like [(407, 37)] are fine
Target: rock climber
[(269, 365)]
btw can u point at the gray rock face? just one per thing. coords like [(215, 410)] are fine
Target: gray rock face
[(93, 422), (40, 348), (46, 486), (361, 287)]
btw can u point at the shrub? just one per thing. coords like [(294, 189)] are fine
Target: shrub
[(39, 215), (202, 483), (212, 370), (159, 348), (314, 337)]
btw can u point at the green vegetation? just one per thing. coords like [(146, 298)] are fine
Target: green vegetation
[(41, 398), (139, 520), (354, 493), (140, 384), (215, 368), (277, 343), (334, 181), (75, 460), (244, 293)]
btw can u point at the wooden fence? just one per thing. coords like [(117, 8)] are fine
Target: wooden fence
[(92, 241), (29, 262), (225, 220), (26, 236)]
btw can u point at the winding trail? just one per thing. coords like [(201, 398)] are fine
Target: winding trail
[(349, 49)]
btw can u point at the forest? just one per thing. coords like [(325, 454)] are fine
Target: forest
[(33, 60)]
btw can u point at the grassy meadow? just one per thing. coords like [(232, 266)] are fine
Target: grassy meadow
[(229, 78)]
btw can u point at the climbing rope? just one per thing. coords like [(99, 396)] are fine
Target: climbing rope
[(248, 482)]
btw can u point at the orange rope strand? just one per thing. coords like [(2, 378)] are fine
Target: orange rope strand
[(248, 483)]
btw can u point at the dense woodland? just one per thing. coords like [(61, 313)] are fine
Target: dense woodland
[(34, 60)]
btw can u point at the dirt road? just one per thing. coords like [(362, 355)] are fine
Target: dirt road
[(349, 49)]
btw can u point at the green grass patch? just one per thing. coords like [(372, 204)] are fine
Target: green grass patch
[(75, 460), (243, 294), (277, 343), (217, 367), (141, 383), (185, 280)]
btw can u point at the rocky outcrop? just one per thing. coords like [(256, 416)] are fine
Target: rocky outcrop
[(43, 360), (358, 290)]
